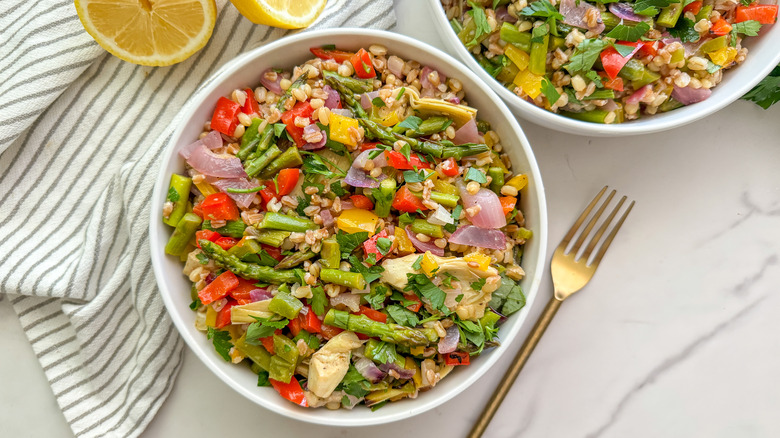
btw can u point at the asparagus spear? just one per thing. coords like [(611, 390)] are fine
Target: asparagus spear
[(295, 259), (437, 149), (296, 84), (343, 278), (383, 197), (246, 270), (183, 233), (256, 143), (354, 85), (254, 166), (393, 333), (339, 84), (279, 221), (288, 158)]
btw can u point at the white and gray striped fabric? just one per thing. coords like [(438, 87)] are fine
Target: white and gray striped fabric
[(80, 136)]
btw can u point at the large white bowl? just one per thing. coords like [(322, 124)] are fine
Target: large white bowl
[(244, 71), (763, 57)]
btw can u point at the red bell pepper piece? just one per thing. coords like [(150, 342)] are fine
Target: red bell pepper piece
[(209, 235), (612, 84), (361, 61), (242, 292), (406, 202), (457, 358), (337, 55), (418, 303), (613, 61), (720, 27), (197, 210), (369, 246), (310, 322), (268, 343), (295, 326), (764, 14), (250, 105), (267, 193), (219, 206), (274, 252), (286, 180), (372, 314), (291, 391), (301, 109), (328, 331), (225, 118), (507, 203), (223, 316), (226, 242), (361, 201), (648, 48), (217, 289), (368, 145), (449, 167), (397, 160), (693, 7)]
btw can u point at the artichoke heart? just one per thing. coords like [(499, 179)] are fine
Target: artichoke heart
[(460, 114)]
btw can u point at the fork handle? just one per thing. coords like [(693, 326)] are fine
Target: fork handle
[(517, 365)]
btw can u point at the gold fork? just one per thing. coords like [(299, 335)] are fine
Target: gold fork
[(570, 274)]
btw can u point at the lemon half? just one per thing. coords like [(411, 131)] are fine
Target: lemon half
[(287, 14)]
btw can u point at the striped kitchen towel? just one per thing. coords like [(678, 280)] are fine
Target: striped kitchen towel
[(80, 136)]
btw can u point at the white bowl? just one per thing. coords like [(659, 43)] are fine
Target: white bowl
[(761, 59), (244, 71)]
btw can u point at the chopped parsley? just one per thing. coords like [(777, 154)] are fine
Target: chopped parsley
[(423, 287), (337, 189), (767, 92), (748, 28), (263, 327), (173, 195), (402, 315), (406, 151), (262, 378), (472, 332), (376, 297), (474, 174), (550, 92), (684, 31), (221, 341), (202, 258), (650, 8), (195, 304), (595, 78), (482, 27), (318, 300), (411, 122), (585, 56), (369, 274), (378, 102), (447, 280), (539, 32), (629, 33), (411, 176), (542, 8), (354, 383), (348, 242), (279, 129), (477, 285), (417, 265)]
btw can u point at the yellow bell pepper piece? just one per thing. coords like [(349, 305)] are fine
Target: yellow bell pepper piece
[(481, 259), (417, 351), (403, 244), (724, 56), (410, 364), (384, 117), (211, 317), (428, 264), (529, 82), (518, 181), (517, 56), (206, 188), (356, 220), (339, 129), (444, 187)]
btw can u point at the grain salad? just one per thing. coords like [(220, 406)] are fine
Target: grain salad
[(351, 228), (606, 61)]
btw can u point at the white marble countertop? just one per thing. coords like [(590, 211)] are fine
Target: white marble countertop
[(674, 337)]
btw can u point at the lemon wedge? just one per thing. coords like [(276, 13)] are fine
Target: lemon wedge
[(149, 32), (287, 14)]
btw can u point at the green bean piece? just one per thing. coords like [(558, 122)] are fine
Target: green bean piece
[(180, 185), (463, 150), (704, 12), (245, 248), (343, 278), (610, 21), (633, 70), (289, 158), (424, 227), (273, 238), (383, 197), (430, 126), (445, 199), (538, 62), (330, 253), (285, 348), (648, 77), (251, 271), (295, 259), (279, 221), (233, 229), (593, 116), (600, 94), (253, 167), (280, 369), (669, 15), (255, 353), (183, 234), (510, 34), (497, 179), (393, 333), (283, 303)]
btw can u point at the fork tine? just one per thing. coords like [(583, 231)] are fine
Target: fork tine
[(602, 229), (612, 235), (566, 239), (592, 222)]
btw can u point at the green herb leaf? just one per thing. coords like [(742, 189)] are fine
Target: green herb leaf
[(400, 93), (263, 327), (336, 188), (384, 352), (477, 285), (474, 174), (262, 378), (417, 265), (539, 32), (411, 122), (767, 92), (549, 91), (348, 242), (252, 190), (303, 202), (329, 47), (195, 304), (411, 176), (406, 151), (472, 332), (173, 195), (585, 56), (748, 28), (650, 8), (354, 383), (712, 67), (508, 298), (403, 315), (376, 297), (369, 274), (629, 33), (623, 49), (458, 298), (422, 286), (684, 31), (447, 280), (383, 244), (378, 102), (318, 300), (202, 258), (221, 341), (480, 21), (595, 78), (279, 129), (542, 8)]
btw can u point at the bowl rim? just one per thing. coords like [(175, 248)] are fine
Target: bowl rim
[(156, 242), (542, 117)]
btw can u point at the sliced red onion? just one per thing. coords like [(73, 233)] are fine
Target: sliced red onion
[(347, 205), (260, 294), (210, 164), (480, 237), (212, 140), (574, 13), (491, 214), (242, 199), (639, 95), (327, 218), (333, 100), (688, 95), (366, 98), (454, 99), (625, 12), (502, 15), (396, 66), (270, 85), (423, 246), (690, 48), (352, 301), (310, 129), (403, 373), (449, 343), (369, 370), (467, 133), (186, 151), (357, 177), (346, 112), (610, 105)]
